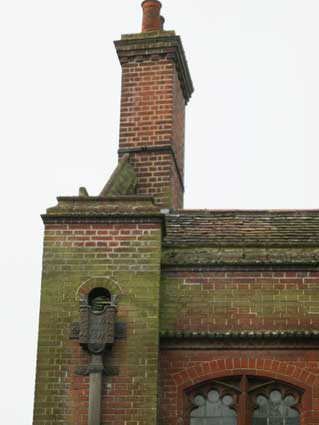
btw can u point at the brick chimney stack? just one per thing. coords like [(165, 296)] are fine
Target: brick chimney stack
[(156, 86)]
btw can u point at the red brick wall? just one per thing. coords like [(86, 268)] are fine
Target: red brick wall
[(178, 144), (237, 301), (146, 103), (177, 194), (228, 300), (179, 124), (154, 172), (152, 115), (79, 257), (180, 370)]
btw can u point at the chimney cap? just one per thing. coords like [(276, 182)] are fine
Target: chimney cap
[(152, 20), (152, 1)]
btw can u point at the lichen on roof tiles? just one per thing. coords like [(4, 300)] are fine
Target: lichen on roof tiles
[(245, 228)]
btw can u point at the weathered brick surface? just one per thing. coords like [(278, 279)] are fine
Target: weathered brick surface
[(178, 123), (228, 300), (123, 180), (152, 116), (154, 172), (181, 370), (127, 255), (197, 300), (146, 103), (190, 275)]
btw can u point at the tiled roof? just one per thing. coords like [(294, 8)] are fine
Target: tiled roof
[(242, 228)]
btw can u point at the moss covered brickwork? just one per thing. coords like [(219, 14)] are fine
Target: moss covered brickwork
[(122, 251)]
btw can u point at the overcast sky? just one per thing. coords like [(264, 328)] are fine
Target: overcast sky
[(251, 133)]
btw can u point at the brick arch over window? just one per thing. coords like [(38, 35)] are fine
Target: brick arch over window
[(281, 371), (106, 282)]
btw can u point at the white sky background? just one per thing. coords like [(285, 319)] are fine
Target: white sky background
[(251, 135)]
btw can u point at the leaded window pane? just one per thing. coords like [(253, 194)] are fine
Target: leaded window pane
[(252, 399), (275, 410), (213, 410)]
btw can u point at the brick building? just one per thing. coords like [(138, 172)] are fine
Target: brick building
[(155, 315)]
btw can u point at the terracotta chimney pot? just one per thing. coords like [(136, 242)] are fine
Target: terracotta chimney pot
[(152, 20)]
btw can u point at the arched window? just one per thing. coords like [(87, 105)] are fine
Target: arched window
[(244, 400)]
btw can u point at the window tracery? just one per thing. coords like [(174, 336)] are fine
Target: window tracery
[(244, 400)]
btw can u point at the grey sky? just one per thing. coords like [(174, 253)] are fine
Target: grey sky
[(251, 135)]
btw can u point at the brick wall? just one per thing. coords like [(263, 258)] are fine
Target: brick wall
[(228, 300), (178, 124), (146, 103), (154, 172), (152, 116), (180, 370), (122, 255), (200, 301)]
